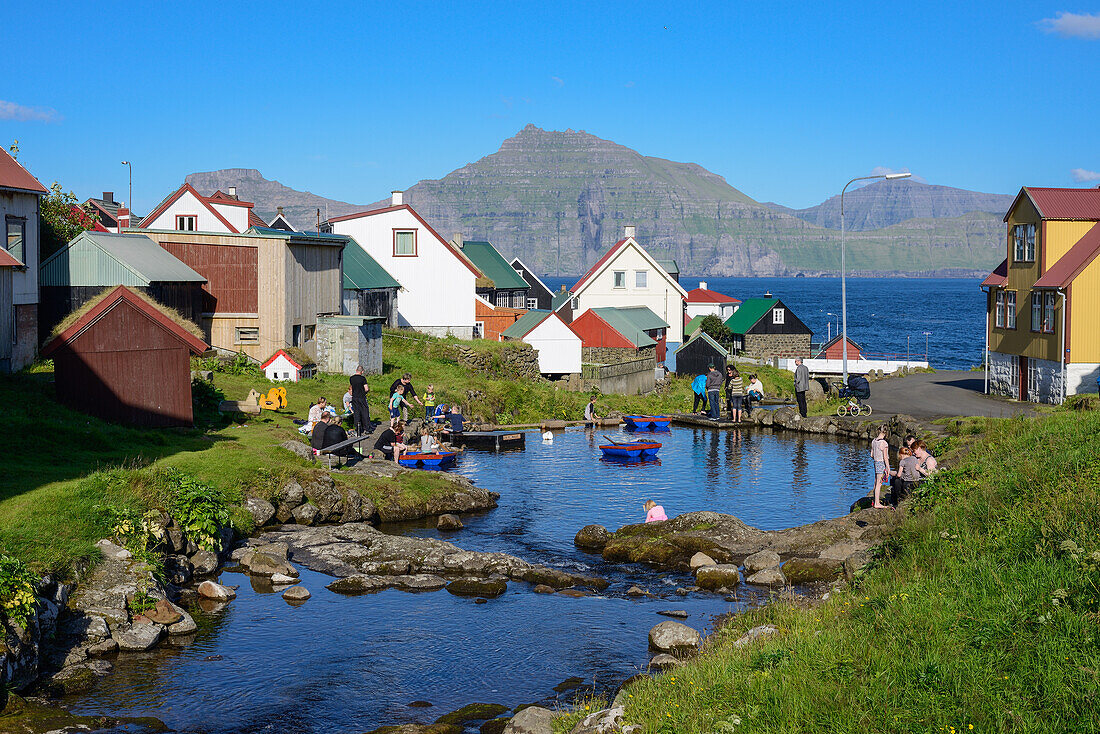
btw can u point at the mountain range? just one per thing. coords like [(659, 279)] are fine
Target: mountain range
[(559, 199)]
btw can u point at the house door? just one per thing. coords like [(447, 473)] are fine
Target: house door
[(1023, 378), (662, 347)]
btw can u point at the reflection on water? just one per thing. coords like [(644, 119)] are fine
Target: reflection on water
[(339, 664)]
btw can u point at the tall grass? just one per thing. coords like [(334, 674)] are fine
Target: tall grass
[(980, 615)]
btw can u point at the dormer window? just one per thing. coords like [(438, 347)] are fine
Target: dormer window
[(1023, 240)]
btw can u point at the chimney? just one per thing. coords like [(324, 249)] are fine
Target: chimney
[(563, 289), (232, 192), (457, 239), (703, 285), (109, 197), (123, 215), (628, 231), (398, 199), (279, 209)]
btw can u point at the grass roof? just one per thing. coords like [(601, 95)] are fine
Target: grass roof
[(298, 355), (178, 318)]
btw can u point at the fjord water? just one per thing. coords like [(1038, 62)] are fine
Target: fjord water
[(350, 664), (882, 312)]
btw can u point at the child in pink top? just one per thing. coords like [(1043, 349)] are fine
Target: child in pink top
[(654, 512)]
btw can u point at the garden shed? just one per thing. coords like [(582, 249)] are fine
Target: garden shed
[(700, 353), (289, 364), (125, 358)]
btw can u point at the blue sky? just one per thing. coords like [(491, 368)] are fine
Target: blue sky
[(786, 100)]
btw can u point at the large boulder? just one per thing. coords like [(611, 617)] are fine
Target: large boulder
[(701, 559), (139, 637), (810, 570), (607, 721), (673, 637), (592, 537), (448, 522), (298, 449), (164, 612), (353, 507), (261, 510), (204, 563), (532, 720), (296, 593), (306, 514), (488, 588), (762, 560), (323, 494), (767, 577), (721, 576), (261, 564), (292, 494), (217, 592)]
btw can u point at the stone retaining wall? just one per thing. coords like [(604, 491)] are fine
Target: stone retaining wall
[(776, 345), (789, 419)]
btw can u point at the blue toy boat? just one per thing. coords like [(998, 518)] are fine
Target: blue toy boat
[(647, 422), (633, 450), (436, 460)]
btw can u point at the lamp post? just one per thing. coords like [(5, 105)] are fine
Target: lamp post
[(907, 350), (843, 285), (830, 313), (130, 194), (926, 335)]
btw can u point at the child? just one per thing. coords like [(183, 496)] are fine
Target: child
[(396, 400), (654, 512), (880, 455), (428, 444), (908, 475), (429, 402)]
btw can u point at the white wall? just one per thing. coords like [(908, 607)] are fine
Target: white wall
[(558, 347), (660, 295), (24, 282), (437, 289), (188, 204), (1081, 378), (237, 215), (721, 310), (1004, 374), (855, 366), (279, 367)]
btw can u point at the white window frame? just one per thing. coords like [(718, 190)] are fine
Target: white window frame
[(641, 279), (779, 316), (532, 303), (1037, 311), (18, 250), (618, 279), (1023, 240), (398, 231), (500, 300), (1010, 310), (1050, 303), (517, 299), (184, 219), (999, 310), (479, 329)]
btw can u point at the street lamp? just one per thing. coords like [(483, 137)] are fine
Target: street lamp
[(926, 335), (843, 285), (830, 313), (130, 201)]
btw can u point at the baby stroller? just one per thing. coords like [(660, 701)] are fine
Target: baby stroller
[(858, 390)]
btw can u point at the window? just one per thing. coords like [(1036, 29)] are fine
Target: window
[(620, 279), (1050, 299), (517, 299), (479, 329), (778, 315), (248, 335), (641, 278), (999, 311), (404, 243), (187, 222), (574, 303), (296, 335), (16, 238), (532, 303), (1023, 239), (311, 331), (1010, 309), (1036, 311), (501, 298)]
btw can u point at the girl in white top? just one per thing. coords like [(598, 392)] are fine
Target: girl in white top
[(428, 444), (880, 455)]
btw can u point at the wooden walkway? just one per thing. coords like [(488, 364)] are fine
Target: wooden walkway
[(694, 419)]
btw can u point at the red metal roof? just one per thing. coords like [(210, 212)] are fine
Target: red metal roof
[(706, 295), (254, 219), (14, 176), (592, 270), (1061, 203), (8, 260), (122, 293), (998, 277), (1070, 265), (275, 356), (205, 200)]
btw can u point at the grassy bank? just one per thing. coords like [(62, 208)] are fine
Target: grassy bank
[(981, 615)]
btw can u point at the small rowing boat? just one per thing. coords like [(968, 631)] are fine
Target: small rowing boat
[(434, 459), (632, 450), (647, 422)]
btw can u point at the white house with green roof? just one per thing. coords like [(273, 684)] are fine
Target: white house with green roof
[(558, 346)]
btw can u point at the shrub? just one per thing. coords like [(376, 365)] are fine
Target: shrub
[(206, 398), (198, 508), (17, 598)]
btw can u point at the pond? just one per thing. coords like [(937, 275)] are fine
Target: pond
[(339, 664)]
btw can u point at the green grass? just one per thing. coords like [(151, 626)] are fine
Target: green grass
[(974, 615)]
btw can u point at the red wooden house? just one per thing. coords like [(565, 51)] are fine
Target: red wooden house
[(834, 349), (126, 360)]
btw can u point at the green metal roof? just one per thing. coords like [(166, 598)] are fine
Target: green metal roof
[(705, 337), (693, 325), (326, 237), (748, 313), (560, 299), (627, 325), (362, 272), (643, 317), (669, 266), (490, 262), (106, 259), (523, 326)]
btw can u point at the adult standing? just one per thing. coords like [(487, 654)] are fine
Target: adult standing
[(735, 388), (405, 381), (714, 390), (359, 409), (801, 384)]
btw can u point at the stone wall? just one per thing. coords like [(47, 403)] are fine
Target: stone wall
[(788, 418), (616, 355), (344, 342), (776, 345), (518, 360)]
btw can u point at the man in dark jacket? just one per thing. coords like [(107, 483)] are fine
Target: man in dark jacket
[(335, 434), (801, 385), (317, 438), (714, 389)]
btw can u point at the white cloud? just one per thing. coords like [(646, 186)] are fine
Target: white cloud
[(1082, 175), (558, 80), (22, 113), (1073, 25)]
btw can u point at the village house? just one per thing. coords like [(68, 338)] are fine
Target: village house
[(279, 221), (699, 353), (834, 349), (437, 281), (610, 335), (110, 215), (93, 261), (1043, 300), (264, 288), (541, 297), (558, 346), (702, 301), (125, 359), (20, 196), (499, 283), (764, 328), (186, 210), (368, 289), (493, 320), (627, 275)]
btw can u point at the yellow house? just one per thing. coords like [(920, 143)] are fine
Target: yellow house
[(1043, 301)]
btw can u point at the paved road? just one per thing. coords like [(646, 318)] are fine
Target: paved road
[(928, 395)]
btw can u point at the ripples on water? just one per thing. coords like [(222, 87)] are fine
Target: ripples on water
[(340, 664)]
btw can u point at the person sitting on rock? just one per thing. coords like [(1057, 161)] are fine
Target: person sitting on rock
[(335, 434), (590, 414), (654, 512), (928, 463), (317, 437), (907, 476), (754, 393)]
